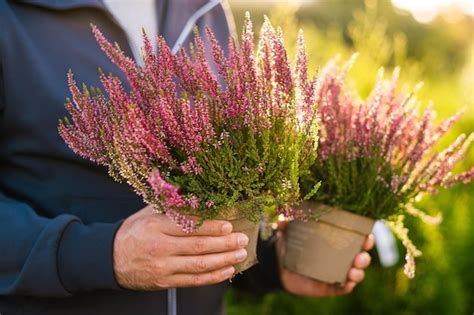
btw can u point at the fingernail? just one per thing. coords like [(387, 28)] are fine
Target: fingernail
[(226, 228), (243, 240), (365, 258), (228, 272), (241, 254)]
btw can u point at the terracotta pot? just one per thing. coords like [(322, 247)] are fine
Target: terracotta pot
[(324, 249), (250, 229)]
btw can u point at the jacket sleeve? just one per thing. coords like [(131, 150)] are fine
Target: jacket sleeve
[(52, 256), (57, 256)]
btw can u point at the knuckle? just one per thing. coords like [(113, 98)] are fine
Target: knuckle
[(160, 267), (196, 280), (166, 244), (238, 240), (212, 226), (233, 242), (162, 284), (230, 259), (153, 246), (199, 245), (216, 277), (201, 265), (161, 246), (216, 228), (149, 224)]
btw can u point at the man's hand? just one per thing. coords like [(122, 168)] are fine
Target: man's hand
[(152, 253), (304, 286)]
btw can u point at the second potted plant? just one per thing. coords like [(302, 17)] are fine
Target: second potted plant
[(375, 160)]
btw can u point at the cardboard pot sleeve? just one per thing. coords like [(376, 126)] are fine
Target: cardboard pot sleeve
[(250, 229), (324, 249)]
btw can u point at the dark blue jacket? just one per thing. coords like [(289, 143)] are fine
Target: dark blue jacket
[(59, 212)]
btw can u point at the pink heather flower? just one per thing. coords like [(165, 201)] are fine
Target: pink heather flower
[(193, 202), (388, 139), (166, 191), (86, 120), (186, 224), (382, 181), (183, 108), (191, 166), (464, 178), (291, 214), (387, 126), (396, 182), (172, 201), (209, 204)]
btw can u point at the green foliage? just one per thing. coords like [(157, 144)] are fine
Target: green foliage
[(250, 170), (354, 186)]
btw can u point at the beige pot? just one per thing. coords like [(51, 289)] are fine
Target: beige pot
[(325, 249), (250, 229)]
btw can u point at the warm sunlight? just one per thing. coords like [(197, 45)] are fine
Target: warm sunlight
[(426, 11)]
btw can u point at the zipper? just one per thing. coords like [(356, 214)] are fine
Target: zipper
[(172, 305)]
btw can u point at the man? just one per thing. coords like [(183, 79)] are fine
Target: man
[(73, 241)]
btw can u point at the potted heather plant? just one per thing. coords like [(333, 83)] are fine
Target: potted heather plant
[(192, 147), (375, 160)]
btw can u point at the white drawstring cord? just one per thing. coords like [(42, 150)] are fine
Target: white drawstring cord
[(188, 27), (172, 302)]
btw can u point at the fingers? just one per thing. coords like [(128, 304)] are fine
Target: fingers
[(362, 260), (196, 280), (207, 263), (356, 275), (369, 243), (336, 290), (199, 245), (208, 228), (348, 288)]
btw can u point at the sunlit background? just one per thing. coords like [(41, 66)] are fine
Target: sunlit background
[(423, 11), (432, 41), (427, 11)]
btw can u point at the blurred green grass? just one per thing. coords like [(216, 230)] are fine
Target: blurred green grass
[(441, 55)]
